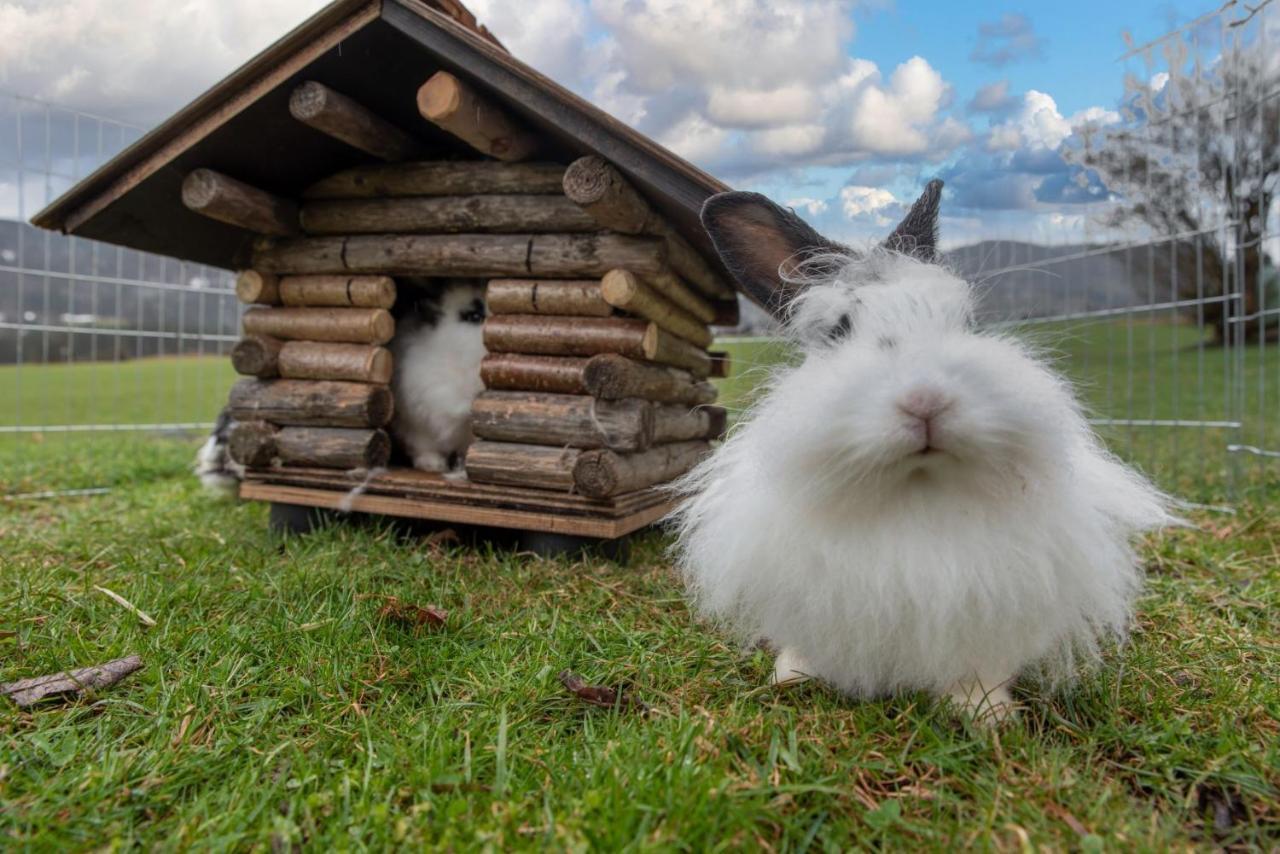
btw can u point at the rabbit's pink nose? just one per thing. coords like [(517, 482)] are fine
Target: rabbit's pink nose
[(924, 403)]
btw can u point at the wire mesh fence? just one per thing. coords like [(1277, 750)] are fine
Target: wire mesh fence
[(95, 338), (1165, 300)]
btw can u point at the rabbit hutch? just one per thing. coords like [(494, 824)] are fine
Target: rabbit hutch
[(393, 142)]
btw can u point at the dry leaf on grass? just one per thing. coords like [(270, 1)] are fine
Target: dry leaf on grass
[(28, 692), (600, 695), (416, 615)]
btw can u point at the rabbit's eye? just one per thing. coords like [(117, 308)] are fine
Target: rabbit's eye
[(841, 330), (473, 313), (886, 343)]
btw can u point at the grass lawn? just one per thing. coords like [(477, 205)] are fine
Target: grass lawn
[(277, 706)]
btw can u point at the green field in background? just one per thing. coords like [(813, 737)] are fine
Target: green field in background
[(1124, 369)]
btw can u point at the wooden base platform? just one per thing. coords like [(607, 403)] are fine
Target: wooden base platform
[(423, 495)]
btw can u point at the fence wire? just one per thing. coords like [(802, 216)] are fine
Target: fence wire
[(95, 338)]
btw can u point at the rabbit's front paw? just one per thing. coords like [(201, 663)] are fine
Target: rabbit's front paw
[(985, 706), (430, 461), (790, 669)]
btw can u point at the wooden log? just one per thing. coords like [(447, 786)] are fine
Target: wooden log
[(624, 290), (252, 443), (676, 291), (257, 356), (517, 372), (313, 360), (344, 119), (564, 336), (590, 336), (612, 377), (256, 287), (720, 364), (607, 376), (604, 193), (509, 464), (562, 420), (457, 108), (225, 199), (264, 357), (440, 178), (258, 445), (338, 291), (506, 214), (661, 346), (604, 473), (463, 255), (672, 423), (351, 325), (333, 447), (308, 403), (571, 297)]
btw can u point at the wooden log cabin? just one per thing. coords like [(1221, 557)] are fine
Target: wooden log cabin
[(386, 139)]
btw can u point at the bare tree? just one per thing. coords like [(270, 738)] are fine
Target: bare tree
[(1196, 162)]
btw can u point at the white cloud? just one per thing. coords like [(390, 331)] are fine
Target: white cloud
[(548, 34), (893, 119), (134, 60), (858, 201), (815, 207), (1039, 124)]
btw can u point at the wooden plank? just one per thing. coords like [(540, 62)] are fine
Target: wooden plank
[(412, 483), (459, 514)]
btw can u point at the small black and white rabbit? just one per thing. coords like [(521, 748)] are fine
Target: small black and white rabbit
[(219, 474), (917, 505), (437, 348)]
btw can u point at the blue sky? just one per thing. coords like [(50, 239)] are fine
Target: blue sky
[(840, 108)]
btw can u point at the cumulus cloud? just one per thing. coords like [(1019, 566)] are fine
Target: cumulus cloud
[(858, 201), (1039, 124), (992, 98), (1009, 39), (814, 207), (134, 60)]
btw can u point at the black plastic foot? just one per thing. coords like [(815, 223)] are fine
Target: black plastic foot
[(564, 545), (290, 519)]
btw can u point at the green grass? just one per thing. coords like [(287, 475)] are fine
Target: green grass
[(277, 706)]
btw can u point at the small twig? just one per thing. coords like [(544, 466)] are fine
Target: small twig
[(127, 605), (28, 692)]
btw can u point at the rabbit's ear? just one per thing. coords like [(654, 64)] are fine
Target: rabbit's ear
[(760, 243), (917, 234)]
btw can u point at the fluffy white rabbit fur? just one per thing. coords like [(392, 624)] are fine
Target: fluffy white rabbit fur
[(882, 553), (437, 376)]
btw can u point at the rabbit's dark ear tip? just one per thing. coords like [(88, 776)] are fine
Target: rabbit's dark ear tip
[(721, 203)]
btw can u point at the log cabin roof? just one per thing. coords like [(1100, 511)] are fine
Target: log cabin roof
[(378, 52)]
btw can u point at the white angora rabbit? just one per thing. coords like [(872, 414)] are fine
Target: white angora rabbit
[(916, 505), (438, 348)]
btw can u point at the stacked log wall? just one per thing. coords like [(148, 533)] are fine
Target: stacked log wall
[(597, 374)]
